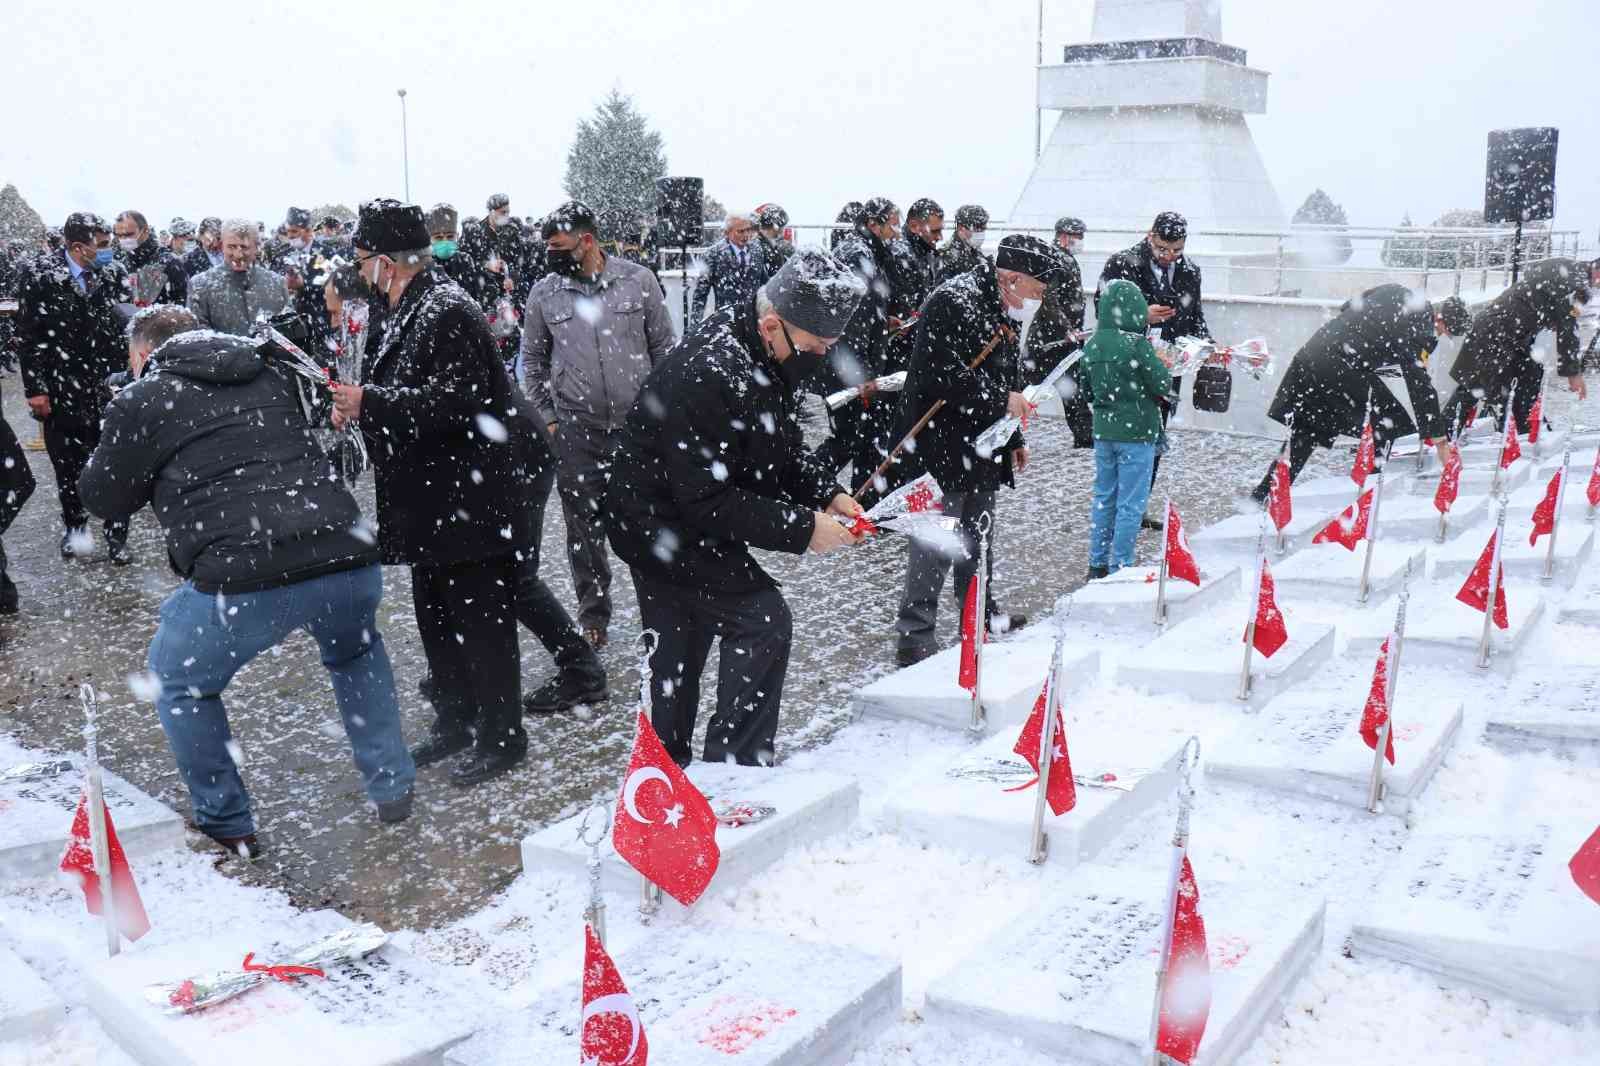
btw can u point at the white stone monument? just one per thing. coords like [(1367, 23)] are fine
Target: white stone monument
[(1152, 119)]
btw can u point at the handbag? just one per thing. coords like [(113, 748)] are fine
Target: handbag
[(1213, 389)]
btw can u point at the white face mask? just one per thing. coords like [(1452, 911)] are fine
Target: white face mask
[(1073, 244), (975, 240), (128, 244), (299, 244), (377, 270), (1020, 314)]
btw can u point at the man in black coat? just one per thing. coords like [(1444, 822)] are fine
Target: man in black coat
[(207, 252), (498, 250), (155, 274), (710, 464), (966, 244), (16, 485), (1498, 351), (455, 454), (218, 439), (1053, 335), (1331, 381), (69, 340), (965, 317), (734, 269)]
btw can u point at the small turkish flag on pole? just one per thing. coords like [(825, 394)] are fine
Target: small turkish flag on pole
[(1186, 975), (1180, 560), (1585, 867), (1444, 497), (1280, 507), (1350, 528), (610, 1031), (1061, 793), (1376, 713), (126, 908), (1366, 452), (1544, 515), (1593, 491), (664, 826), (1475, 592), (968, 677), (1536, 417), (1513, 449), (1269, 632)]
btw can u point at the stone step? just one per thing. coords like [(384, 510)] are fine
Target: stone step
[(1202, 659), (29, 1008)]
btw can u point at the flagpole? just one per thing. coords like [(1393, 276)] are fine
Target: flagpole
[(1180, 848), (1165, 570), (595, 912), (1040, 844), (1494, 588), (980, 624), (1555, 521), (1397, 640), (99, 845), (1372, 527), (1255, 606), (649, 641), (1499, 463)]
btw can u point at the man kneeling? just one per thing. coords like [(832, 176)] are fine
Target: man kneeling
[(268, 541)]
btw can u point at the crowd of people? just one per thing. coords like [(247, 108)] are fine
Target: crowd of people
[(481, 364)]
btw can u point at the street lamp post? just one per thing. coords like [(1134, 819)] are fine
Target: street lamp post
[(405, 145)]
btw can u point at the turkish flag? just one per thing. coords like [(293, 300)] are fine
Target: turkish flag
[(1376, 712), (1366, 455), (1585, 867), (1351, 525), (612, 1034), (1186, 995), (968, 677), (1594, 481), (1061, 793), (1444, 497), (1475, 593), (1271, 633), (669, 832), (1472, 416), (1513, 450), (78, 860), (1544, 515), (1535, 419), (1180, 560), (1279, 506)]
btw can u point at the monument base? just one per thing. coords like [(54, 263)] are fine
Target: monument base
[(730, 998), (1074, 979), (808, 806), (1329, 572), (29, 1008), (1202, 660), (1128, 597)]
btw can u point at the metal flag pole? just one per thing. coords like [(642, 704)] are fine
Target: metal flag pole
[(99, 842), (1189, 760), (649, 641), (1555, 521), (1484, 649), (595, 912), (1397, 640), (980, 624), (1255, 606), (1500, 459), (405, 145), (1372, 527), (1164, 570), (1039, 843)]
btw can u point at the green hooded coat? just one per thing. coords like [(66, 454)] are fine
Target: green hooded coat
[(1125, 377)]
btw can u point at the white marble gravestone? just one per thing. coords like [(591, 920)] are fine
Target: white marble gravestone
[(734, 998), (1128, 597), (1120, 773), (1239, 533), (387, 1009), (1074, 978), (1013, 672), (1443, 631), (810, 805), (1414, 518), (1203, 658), (29, 1008), (36, 816), (1493, 908), (1581, 606), (1331, 573), (1477, 480), (1554, 709), (1339, 491), (1521, 560)]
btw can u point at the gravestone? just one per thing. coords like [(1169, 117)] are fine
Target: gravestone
[(1574, 501), (1120, 774), (1339, 492), (1074, 978), (1202, 659), (386, 1009), (733, 997), (1239, 533), (1554, 710), (1581, 606), (1521, 560), (1414, 518), (1477, 480), (1332, 574), (36, 816), (806, 806), (1443, 631), (29, 1008), (1128, 597), (1493, 909), (1013, 672)]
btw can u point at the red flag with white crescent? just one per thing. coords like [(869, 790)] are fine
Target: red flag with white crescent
[(1271, 633), (1513, 450), (1280, 506), (1444, 497), (611, 1033), (1061, 793), (664, 827), (1186, 996), (78, 860), (1366, 455), (968, 677), (1544, 515), (1475, 592), (1594, 481), (1536, 419), (1180, 560), (1350, 528), (1585, 867), (1376, 712)]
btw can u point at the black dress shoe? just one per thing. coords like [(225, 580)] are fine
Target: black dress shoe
[(483, 766), (67, 550), (8, 594), (1151, 523), (425, 686), (904, 657), (396, 810), (564, 691), (117, 551), (1098, 572), (1007, 623), (245, 847), (440, 746)]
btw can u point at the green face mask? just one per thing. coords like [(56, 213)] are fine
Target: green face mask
[(444, 249)]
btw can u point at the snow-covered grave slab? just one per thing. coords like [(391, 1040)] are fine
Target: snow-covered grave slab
[(1574, 546), (1574, 502), (1581, 606), (1309, 742), (36, 816), (28, 1006), (1074, 979), (1202, 659), (1443, 631), (1128, 597), (1552, 443), (1013, 672), (1238, 533), (1477, 480), (1415, 518), (1403, 457), (1549, 712), (735, 998), (1339, 492), (1332, 573), (807, 806), (387, 1009), (1119, 773), (1495, 910)]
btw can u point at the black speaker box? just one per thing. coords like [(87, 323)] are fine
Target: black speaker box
[(1521, 185), (679, 214)]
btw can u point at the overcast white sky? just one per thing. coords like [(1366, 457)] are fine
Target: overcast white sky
[(212, 108)]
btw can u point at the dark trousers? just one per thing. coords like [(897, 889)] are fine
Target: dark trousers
[(1389, 421), (537, 607), (860, 436), (468, 624), (583, 455), (16, 482), (916, 627), (69, 444), (756, 629), (1528, 378)]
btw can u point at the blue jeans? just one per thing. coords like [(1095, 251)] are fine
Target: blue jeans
[(1121, 490), (204, 640)]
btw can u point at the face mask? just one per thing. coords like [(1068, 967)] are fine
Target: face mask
[(498, 220), (299, 244), (372, 282), (128, 244), (975, 240), (564, 263), (103, 257), (444, 249), (1073, 244), (1020, 314)]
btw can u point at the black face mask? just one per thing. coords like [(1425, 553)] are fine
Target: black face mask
[(564, 263), (800, 364)]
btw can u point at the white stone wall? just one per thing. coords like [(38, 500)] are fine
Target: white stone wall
[(1196, 81), (1132, 20)]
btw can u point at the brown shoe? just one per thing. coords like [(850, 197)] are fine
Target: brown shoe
[(596, 638)]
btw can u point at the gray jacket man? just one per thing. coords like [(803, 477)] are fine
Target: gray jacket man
[(593, 328), (735, 268), (230, 296)]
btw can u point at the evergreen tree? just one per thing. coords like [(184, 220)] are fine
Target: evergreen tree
[(613, 165), (18, 221), (338, 211), (1320, 210)]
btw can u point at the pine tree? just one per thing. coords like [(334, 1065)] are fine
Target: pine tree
[(1320, 210), (18, 221), (613, 165)]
